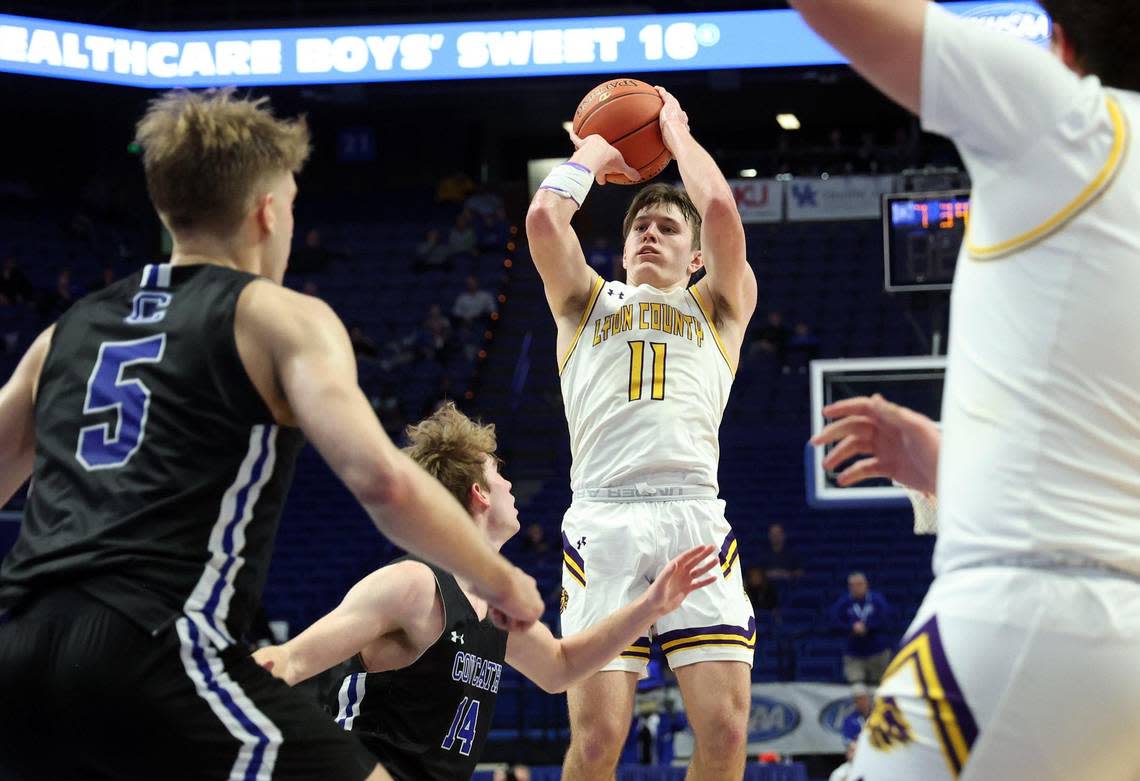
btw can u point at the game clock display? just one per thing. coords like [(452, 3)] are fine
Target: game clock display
[(922, 235)]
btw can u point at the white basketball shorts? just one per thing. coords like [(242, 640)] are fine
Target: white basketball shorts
[(612, 551), (1012, 674)]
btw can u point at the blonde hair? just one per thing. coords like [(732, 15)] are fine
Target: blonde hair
[(453, 449), (204, 154)]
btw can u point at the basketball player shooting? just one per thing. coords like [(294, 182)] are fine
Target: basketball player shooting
[(426, 659), (160, 419), (1037, 563), (646, 367)]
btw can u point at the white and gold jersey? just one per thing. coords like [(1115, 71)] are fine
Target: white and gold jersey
[(1040, 452), (645, 382)]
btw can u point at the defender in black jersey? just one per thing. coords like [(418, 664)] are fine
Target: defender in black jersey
[(431, 718), (158, 420), (426, 660)]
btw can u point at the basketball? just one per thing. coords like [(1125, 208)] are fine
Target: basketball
[(624, 112)]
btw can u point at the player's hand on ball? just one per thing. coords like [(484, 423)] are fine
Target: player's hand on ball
[(897, 442), (672, 118), (603, 159), (682, 576)]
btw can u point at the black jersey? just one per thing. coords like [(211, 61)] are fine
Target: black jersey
[(159, 473), (430, 719)]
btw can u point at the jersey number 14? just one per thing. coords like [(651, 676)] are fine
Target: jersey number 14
[(463, 727)]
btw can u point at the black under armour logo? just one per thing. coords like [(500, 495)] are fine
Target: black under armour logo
[(580, 543), (609, 291), (621, 296)]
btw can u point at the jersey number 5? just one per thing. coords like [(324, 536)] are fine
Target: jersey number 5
[(463, 727), (98, 447), (637, 370)]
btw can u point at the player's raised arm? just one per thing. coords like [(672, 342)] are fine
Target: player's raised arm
[(881, 38), (557, 664), (397, 598), (730, 283), (17, 418), (315, 369), (991, 93), (554, 245)]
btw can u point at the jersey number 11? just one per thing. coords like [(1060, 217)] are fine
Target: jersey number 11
[(637, 370)]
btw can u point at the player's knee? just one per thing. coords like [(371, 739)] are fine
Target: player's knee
[(598, 742), (723, 734)]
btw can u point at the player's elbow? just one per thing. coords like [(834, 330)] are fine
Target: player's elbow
[(380, 485), (722, 212), (554, 682), (541, 218)]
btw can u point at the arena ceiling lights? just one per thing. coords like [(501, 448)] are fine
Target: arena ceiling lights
[(465, 50)]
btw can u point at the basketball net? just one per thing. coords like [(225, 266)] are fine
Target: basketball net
[(925, 510)]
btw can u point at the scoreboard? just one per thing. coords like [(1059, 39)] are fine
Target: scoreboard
[(922, 235)]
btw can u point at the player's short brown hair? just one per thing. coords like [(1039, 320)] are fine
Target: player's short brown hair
[(205, 153), (1103, 34), (656, 195), (453, 449)]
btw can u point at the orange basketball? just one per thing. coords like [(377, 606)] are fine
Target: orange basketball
[(624, 112)]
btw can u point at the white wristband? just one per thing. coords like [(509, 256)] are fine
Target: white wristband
[(569, 180)]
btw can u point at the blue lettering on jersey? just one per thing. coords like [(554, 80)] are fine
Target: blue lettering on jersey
[(149, 306), (109, 445), (476, 671)]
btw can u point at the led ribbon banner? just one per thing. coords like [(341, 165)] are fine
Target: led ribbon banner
[(465, 50)]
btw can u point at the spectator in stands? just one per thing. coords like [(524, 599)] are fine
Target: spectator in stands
[(844, 771), (454, 188), (474, 303), (493, 230), (761, 590), (362, 345), (835, 140), (512, 773), (802, 348), (15, 288), (853, 724), (462, 239), (16, 292), (55, 302), (432, 252), (905, 152), (386, 402), (778, 561), (771, 339), (534, 540), (401, 350), (867, 152), (435, 334), (11, 326), (483, 203), (864, 616)]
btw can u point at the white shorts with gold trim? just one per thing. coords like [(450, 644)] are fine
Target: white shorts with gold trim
[(611, 552), (1012, 674)]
